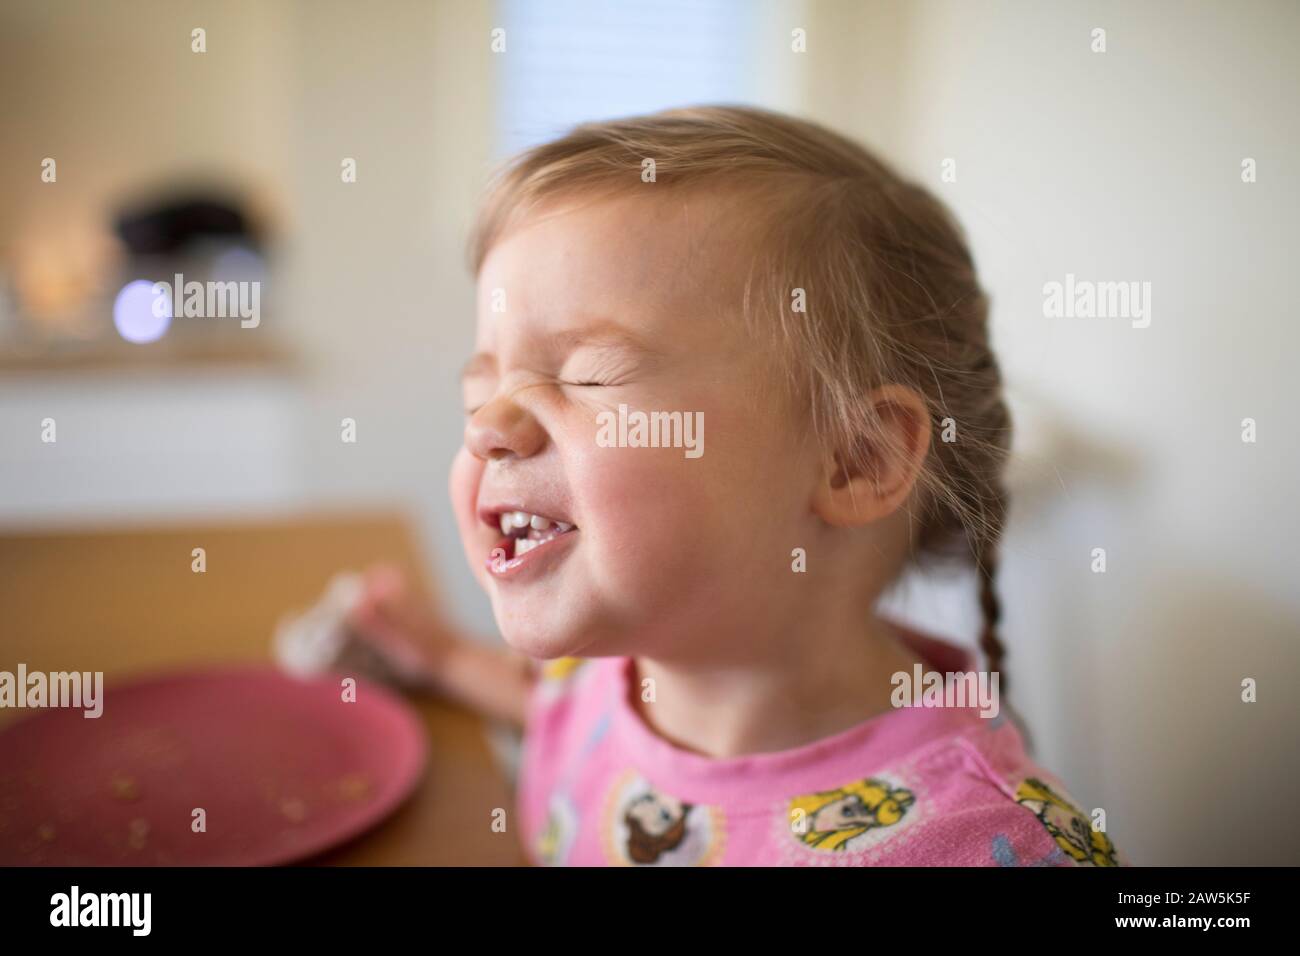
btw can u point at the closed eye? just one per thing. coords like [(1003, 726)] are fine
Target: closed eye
[(469, 412)]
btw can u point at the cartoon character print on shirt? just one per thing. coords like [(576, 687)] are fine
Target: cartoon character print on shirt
[(555, 839), (1067, 824), (646, 827), (850, 818)]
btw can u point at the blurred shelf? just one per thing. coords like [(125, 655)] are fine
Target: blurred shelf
[(164, 355)]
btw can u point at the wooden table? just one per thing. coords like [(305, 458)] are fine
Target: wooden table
[(123, 602)]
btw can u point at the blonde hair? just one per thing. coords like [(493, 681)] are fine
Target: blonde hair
[(891, 292)]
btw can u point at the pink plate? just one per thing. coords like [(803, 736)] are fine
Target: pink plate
[(281, 768)]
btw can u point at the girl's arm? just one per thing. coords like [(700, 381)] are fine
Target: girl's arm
[(495, 683)]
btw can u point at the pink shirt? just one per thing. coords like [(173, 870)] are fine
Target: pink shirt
[(927, 786)]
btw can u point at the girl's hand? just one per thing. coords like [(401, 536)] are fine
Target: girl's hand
[(410, 632), (402, 622)]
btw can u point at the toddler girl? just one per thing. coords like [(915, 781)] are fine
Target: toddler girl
[(695, 655)]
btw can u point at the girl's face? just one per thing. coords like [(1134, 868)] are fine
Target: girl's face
[(626, 302)]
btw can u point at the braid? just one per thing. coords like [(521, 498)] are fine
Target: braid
[(986, 561), (986, 542), (991, 608)]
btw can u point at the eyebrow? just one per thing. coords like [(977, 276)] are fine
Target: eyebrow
[(600, 334)]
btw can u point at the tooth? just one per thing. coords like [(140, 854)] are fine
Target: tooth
[(563, 526), (519, 519), (506, 523), (539, 523), (523, 546)]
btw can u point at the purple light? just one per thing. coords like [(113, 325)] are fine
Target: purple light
[(135, 314)]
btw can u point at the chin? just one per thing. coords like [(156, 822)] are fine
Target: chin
[(541, 637)]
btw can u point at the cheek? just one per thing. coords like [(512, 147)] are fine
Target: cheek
[(663, 521), (651, 513)]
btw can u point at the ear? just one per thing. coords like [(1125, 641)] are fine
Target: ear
[(890, 462)]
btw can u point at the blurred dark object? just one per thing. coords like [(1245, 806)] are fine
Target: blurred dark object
[(177, 225)]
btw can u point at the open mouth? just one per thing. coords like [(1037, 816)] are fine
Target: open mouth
[(524, 532)]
